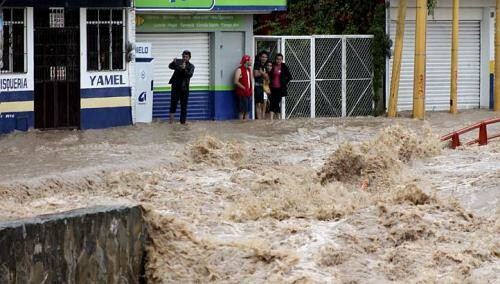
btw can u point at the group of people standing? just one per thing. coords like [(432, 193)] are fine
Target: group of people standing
[(270, 85)]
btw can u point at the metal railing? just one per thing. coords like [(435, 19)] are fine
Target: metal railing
[(482, 137)]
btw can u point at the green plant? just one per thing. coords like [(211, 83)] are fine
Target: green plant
[(431, 5), (307, 17)]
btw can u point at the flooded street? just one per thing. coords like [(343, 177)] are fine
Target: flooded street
[(357, 200)]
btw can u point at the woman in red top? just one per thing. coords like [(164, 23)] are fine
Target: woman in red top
[(243, 82), (280, 76)]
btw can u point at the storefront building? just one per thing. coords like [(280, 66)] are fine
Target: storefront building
[(476, 52), (217, 32), (66, 64)]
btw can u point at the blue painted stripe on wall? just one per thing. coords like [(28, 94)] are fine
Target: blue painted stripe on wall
[(250, 8), (226, 105), (105, 92), (143, 59), (20, 121), (65, 3), (16, 96), (94, 118), (200, 105), (492, 90)]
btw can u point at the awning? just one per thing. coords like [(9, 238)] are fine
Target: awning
[(67, 3)]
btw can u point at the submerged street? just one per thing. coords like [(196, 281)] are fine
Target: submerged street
[(326, 200)]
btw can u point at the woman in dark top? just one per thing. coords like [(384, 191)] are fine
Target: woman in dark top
[(280, 77), (260, 74)]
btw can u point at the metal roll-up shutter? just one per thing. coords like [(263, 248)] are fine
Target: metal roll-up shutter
[(166, 47), (439, 64)]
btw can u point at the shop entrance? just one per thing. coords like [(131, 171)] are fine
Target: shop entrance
[(57, 68)]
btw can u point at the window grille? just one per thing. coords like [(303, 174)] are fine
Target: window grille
[(105, 39), (14, 49)]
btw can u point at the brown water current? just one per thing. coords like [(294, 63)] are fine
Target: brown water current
[(357, 200)]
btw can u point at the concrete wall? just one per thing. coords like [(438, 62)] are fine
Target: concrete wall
[(449, 3), (227, 49), (94, 245)]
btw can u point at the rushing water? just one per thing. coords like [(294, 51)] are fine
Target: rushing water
[(249, 201)]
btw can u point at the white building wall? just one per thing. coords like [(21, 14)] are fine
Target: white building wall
[(87, 76), (131, 65), (487, 54), (29, 75)]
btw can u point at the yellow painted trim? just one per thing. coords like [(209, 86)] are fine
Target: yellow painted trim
[(105, 102), (396, 64), (420, 60), (17, 106), (496, 99), (492, 66)]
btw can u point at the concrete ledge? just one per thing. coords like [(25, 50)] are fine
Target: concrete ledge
[(91, 245)]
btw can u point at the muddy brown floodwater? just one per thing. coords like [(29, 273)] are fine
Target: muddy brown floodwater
[(357, 200)]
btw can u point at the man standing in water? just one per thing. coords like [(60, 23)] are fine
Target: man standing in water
[(243, 83), (180, 84)]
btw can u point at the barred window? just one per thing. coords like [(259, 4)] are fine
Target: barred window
[(105, 39), (14, 51)]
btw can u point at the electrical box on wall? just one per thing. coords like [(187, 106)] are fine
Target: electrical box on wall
[(143, 97)]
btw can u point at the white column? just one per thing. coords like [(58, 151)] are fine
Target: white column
[(344, 76), (130, 16), (313, 77), (83, 47), (30, 19), (283, 100)]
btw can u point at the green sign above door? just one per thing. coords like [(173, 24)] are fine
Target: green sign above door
[(176, 4), (188, 23), (209, 5)]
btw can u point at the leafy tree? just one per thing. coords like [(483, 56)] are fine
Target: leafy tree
[(308, 17)]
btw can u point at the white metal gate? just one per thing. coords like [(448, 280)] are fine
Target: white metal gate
[(339, 67)]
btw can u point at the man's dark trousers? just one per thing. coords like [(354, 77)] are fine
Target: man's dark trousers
[(182, 95)]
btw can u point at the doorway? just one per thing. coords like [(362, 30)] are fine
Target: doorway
[(57, 68)]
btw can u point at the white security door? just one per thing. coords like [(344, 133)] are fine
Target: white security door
[(439, 64), (166, 47)]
